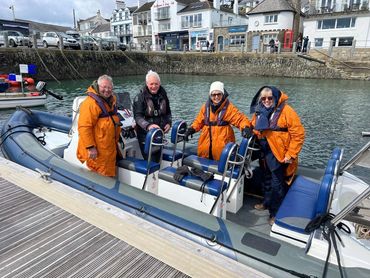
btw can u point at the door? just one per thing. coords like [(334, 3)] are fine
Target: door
[(220, 43), (255, 42)]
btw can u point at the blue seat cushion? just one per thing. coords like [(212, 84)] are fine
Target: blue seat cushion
[(207, 165), (167, 155), (299, 205), (212, 187), (138, 165)]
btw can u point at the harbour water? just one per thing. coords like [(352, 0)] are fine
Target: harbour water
[(333, 112)]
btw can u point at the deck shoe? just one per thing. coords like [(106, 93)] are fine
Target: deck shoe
[(260, 206)]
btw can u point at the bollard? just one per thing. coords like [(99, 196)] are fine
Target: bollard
[(115, 46), (100, 45), (165, 48), (262, 48), (353, 48), (129, 46), (200, 47), (61, 43), (82, 44), (308, 47), (279, 48), (242, 47), (294, 50), (147, 47), (330, 49), (34, 41), (6, 42)]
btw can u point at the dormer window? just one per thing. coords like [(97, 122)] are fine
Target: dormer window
[(272, 18)]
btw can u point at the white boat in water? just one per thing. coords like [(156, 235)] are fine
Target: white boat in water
[(27, 99), (321, 228)]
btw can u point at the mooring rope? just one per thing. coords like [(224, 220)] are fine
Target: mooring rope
[(46, 68)]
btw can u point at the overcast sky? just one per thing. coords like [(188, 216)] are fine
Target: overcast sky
[(59, 12)]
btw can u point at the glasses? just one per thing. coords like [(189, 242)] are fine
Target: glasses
[(266, 98), (216, 95), (108, 88)]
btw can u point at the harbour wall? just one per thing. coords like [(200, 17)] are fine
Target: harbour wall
[(54, 64)]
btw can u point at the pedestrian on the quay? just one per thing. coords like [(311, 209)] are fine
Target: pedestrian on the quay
[(305, 44), (281, 136)]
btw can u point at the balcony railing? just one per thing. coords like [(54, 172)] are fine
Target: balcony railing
[(162, 16)]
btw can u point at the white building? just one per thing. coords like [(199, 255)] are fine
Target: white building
[(339, 23), (142, 24), (85, 26), (121, 22), (274, 19), (190, 24)]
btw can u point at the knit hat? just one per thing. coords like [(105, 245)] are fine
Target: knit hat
[(217, 85)]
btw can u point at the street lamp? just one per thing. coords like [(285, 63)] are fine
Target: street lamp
[(12, 8)]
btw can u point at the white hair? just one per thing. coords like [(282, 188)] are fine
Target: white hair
[(105, 77), (152, 73)]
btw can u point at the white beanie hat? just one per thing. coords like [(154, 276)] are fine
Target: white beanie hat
[(217, 86)]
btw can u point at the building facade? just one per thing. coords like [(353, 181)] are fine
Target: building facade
[(338, 23), (142, 25), (121, 22), (85, 26)]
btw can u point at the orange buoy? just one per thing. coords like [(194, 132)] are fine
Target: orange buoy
[(14, 83), (28, 81)]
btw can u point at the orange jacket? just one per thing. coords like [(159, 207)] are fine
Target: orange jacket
[(221, 135), (100, 133), (285, 143)]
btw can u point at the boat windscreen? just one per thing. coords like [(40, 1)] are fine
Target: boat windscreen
[(361, 158)]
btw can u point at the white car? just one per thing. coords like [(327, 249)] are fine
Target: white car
[(15, 38), (53, 39)]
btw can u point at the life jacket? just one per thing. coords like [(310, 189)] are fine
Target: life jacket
[(221, 114), (150, 110), (100, 102), (275, 117)]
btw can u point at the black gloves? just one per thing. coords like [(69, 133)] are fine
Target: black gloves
[(189, 132), (247, 132), (181, 172), (205, 176)]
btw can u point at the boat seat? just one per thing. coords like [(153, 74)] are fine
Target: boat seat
[(211, 166), (153, 143), (305, 200), (213, 187), (172, 154)]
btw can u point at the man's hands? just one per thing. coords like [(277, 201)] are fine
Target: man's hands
[(92, 153), (165, 130), (247, 132)]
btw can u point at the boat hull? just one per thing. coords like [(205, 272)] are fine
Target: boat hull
[(13, 100), (260, 251)]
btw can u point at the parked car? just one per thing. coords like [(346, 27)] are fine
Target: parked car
[(120, 45), (53, 39), (105, 43), (88, 43), (15, 38)]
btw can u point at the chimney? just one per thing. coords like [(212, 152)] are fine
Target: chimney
[(98, 13), (216, 4), (120, 4), (236, 7)]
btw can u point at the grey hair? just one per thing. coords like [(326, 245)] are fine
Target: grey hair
[(152, 73), (264, 90), (105, 77)]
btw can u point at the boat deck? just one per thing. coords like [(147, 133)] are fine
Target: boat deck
[(51, 230)]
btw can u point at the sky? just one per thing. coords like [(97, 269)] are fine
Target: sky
[(58, 12)]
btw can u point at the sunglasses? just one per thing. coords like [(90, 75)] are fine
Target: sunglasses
[(266, 98), (216, 95)]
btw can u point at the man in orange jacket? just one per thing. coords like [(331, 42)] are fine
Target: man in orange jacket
[(99, 128), (214, 120)]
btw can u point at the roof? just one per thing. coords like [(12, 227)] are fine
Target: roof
[(144, 8), (132, 9), (43, 27), (101, 28), (268, 6), (195, 6), (187, 2)]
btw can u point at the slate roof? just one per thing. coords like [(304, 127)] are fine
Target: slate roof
[(101, 28), (196, 6), (43, 27), (187, 2), (144, 8), (268, 6)]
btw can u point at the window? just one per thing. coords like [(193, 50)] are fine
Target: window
[(189, 21), (318, 42), (345, 22), (237, 40), (267, 38), (163, 13), (229, 20), (164, 27), (346, 41), (273, 18)]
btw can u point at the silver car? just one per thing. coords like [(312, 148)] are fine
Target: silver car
[(53, 39), (15, 38)]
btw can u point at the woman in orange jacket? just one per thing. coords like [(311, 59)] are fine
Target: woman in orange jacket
[(214, 120), (99, 128), (281, 136)]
